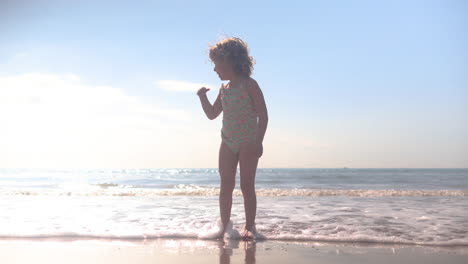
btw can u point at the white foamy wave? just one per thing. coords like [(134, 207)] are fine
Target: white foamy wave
[(410, 220), (368, 239), (175, 234), (213, 231), (194, 190)]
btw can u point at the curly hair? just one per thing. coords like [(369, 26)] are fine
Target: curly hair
[(236, 52)]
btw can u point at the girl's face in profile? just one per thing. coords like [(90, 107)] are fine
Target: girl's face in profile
[(223, 69)]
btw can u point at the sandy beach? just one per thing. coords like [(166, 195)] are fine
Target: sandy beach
[(201, 251)]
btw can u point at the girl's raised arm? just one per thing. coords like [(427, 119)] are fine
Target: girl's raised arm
[(211, 111)]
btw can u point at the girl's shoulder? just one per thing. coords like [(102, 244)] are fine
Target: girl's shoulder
[(250, 83), (247, 81)]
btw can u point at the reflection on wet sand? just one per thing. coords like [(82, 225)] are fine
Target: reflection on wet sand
[(226, 250)]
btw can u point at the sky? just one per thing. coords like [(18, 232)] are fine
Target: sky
[(111, 84)]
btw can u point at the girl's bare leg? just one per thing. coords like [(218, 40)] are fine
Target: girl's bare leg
[(227, 169), (248, 162)]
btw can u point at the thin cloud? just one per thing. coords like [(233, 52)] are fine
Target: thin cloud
[(52, 120), (21, 55), (182, 86), (67, 94)]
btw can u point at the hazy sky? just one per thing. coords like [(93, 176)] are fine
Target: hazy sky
[(347, 83)]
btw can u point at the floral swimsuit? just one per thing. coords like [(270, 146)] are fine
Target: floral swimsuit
[(239, 117)]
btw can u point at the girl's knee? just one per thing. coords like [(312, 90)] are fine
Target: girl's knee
[(248, 189), (227, 188), (228, 178)]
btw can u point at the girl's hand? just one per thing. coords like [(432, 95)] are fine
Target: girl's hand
[(259, 149), (202, 91)]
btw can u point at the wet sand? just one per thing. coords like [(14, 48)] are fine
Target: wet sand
[(222, 252)]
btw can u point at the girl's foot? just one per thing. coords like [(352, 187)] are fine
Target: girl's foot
[(248, 234)]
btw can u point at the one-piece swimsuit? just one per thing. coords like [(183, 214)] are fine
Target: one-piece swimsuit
[(239, 117)]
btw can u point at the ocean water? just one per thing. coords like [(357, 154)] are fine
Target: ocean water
[(401, 206)]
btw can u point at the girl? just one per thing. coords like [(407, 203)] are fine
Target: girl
[(245, 121)]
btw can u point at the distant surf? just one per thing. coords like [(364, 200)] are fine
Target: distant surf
[(194, 190)]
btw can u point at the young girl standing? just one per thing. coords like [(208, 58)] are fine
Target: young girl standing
[(245, 120)]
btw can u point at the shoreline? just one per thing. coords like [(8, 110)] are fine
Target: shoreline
[(73, 250), (137, 240)]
